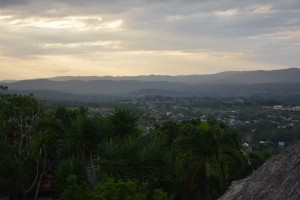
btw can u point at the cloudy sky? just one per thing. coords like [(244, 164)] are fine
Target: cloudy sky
[(46, 38)]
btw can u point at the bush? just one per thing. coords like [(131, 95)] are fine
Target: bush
[(125, 190)]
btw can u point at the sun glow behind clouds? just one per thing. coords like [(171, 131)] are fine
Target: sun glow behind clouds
[(81, 23), (110, 44), (128, 63), (5, 17)]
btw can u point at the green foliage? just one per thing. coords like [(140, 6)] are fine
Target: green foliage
[(211, 148), (124, 121), (114, 158), (8, 168), (144, 158), (85, 133), (170, 130), (190, 159), (152, 161), (72, 166), (112, 189), (265, 154), (19, 115), (74, 189), (256, 159)]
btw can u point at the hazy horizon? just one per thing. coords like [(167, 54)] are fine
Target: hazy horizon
[(43, 39), (141, 75)]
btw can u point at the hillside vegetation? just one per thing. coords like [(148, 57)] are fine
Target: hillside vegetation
[(76, 154)]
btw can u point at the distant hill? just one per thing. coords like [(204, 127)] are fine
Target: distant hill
[(190, 79), (62, 96), (249, 77), (96, 87), (291, 75), (273, 84)]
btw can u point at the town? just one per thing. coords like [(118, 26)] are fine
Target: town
[(260, 122)]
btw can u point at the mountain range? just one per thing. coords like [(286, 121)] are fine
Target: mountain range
[(284, 82), (245, 77)]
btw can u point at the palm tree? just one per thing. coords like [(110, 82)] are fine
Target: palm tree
[(51, 132), (142, 157), (71, 166), (208, 148), (84, 136), (49, 138), (150, 161), (137, 157), (124, 121), (114, 156)]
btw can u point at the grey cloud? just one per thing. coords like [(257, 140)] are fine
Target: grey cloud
[(5, 3), (146, 26)]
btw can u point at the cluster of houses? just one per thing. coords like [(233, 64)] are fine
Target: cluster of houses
[(289, 108)]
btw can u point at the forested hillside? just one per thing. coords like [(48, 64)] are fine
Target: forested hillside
[(77, 154), (276, 84)]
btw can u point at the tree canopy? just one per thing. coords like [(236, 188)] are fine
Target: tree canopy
[(83, 155)]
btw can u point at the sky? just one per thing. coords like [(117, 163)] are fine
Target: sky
[(47, 38)]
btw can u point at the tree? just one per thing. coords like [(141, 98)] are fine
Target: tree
[(211, 149), (124, 121), (71, 167), (144, 158), (112, 189), (152, 161), (115, 156), (19, 115), (74, 190), (8, 165), (84, 136)]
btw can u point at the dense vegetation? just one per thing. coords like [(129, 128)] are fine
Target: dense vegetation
[(85, 155)]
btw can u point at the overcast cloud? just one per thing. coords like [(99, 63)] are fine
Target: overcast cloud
[(42, 38)]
